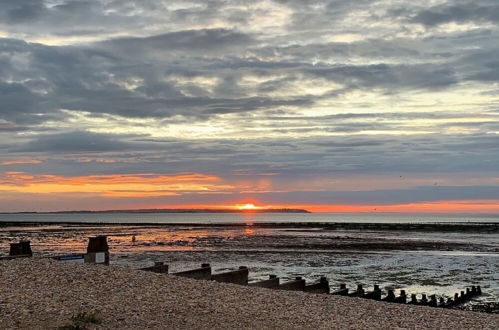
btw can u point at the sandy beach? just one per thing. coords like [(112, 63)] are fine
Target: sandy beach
[(45, 294)]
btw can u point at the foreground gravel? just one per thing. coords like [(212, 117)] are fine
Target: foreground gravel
[(44, 294)]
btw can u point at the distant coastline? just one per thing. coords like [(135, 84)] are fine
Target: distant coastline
[(263, 210)]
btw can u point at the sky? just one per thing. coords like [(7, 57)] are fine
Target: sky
[(344, 106)]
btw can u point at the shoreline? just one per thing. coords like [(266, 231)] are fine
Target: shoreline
[(491, 227)]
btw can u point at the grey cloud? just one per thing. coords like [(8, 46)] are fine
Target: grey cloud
[(19, 104), (317, 156), (20, 11), (74, 142), (462, 11), (136, 77), (199, 40), (381, 75)]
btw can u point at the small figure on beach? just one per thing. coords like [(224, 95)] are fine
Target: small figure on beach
[(133, 239)]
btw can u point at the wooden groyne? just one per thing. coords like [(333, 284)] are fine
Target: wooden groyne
[(298, 284), (202, 273), (321, 287), (158, 267), (271, 283), (239, 276), (342, 291)]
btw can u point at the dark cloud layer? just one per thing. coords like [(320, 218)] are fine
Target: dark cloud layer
[(292, 88), (459, 11)]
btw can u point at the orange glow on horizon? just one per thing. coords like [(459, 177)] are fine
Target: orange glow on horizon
[(461, 206), (22, 187), (112, 185)]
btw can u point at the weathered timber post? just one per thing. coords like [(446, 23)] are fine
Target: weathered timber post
[(343, 291), (359, 292), (414, 299), (424, 300), (321, 287), (23, 248), (449, 303), (26, 248), (375, 294), (390, 297), (297, 285), (239, 276), (402, 299), (271, 283), (462, 297), (203, 273), (159, 267), (97, 250), (15, 249), (468, 293), (433, 301)]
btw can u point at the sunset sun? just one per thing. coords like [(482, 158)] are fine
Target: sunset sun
[(248, 206)]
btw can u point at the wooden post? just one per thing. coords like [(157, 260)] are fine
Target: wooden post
[(433, 301), (297, 285), (359, 292), (15, 249), (26, 248), (456, 299), (375, 294), (23, 248), (390, 297), (97, 250), (271, 283), (343, 291), (235, 277), (203, 273), (321, 287), (424, 300), (402, 299), (159, 267)]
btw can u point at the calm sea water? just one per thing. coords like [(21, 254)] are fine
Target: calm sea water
[(207, 218)]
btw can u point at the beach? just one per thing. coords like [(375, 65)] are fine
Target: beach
[(45, 294)]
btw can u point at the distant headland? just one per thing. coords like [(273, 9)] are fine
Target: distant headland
[(210, 210)]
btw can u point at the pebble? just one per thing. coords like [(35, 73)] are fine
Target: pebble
[(45, 294)]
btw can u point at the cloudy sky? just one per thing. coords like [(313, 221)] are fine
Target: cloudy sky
[(388, 105)]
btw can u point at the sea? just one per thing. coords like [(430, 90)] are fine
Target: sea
[(244, 217), (433, 259)]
